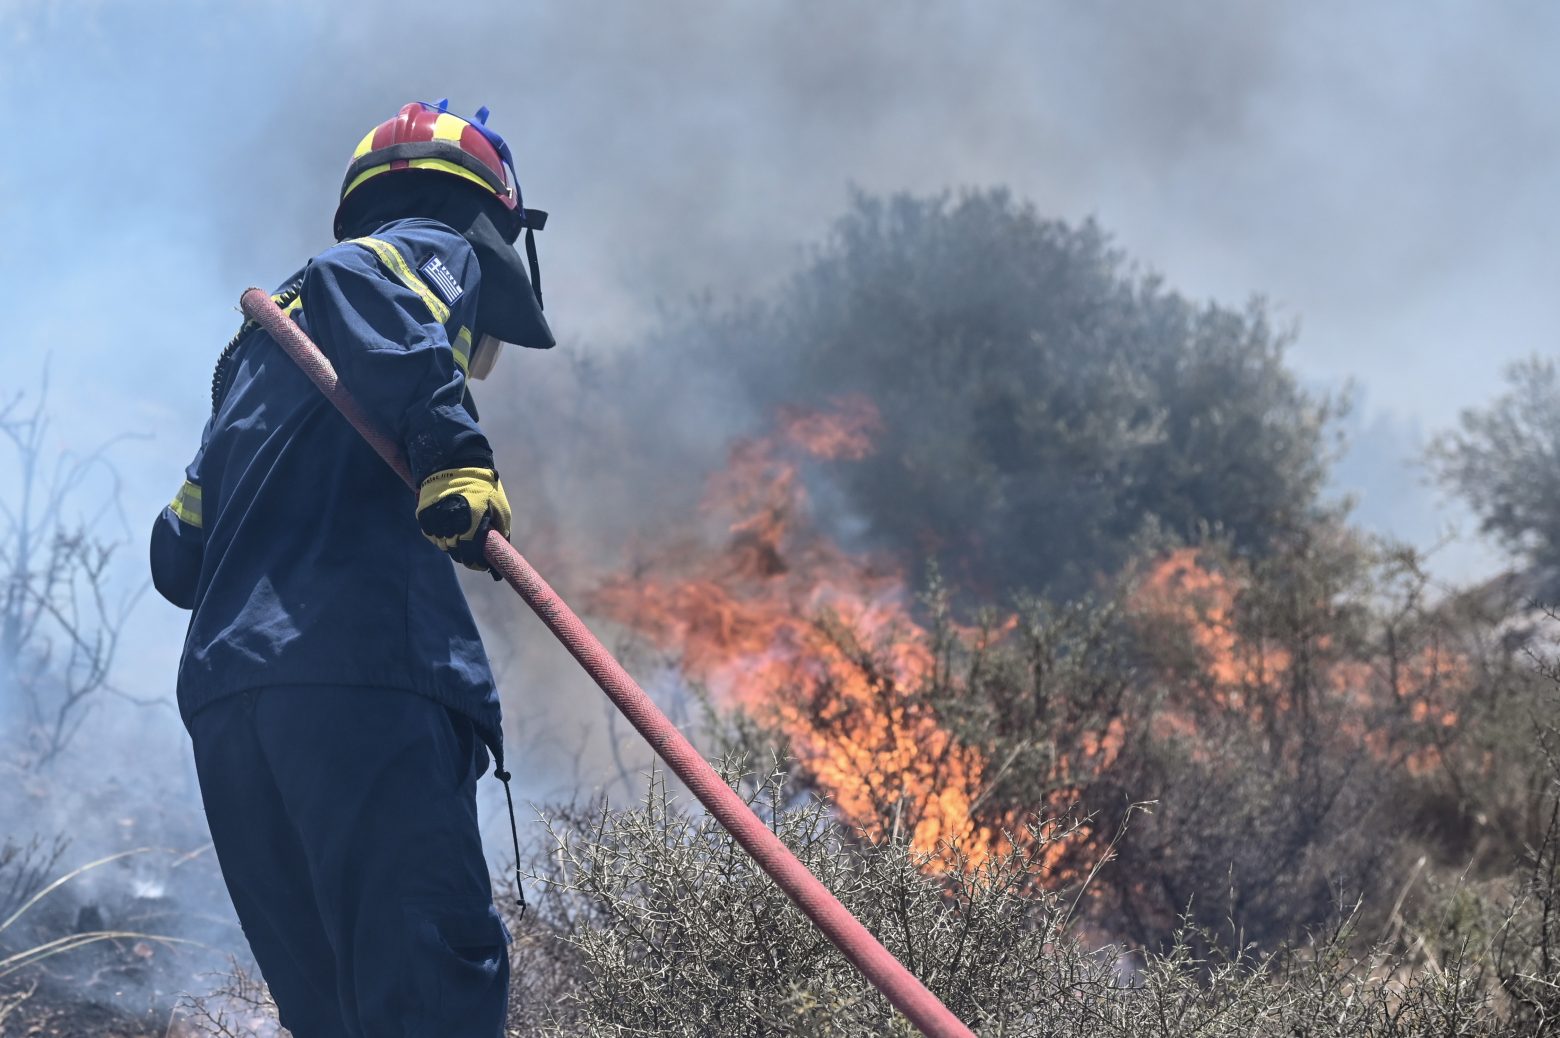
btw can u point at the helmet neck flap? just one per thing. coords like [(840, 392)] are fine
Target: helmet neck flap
[(509, 305)]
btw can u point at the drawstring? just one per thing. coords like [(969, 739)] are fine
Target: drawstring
[(520, 902)]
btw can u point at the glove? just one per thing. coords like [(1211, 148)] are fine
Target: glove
[(457, 507)]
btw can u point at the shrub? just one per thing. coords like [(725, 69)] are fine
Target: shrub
[(671, 930)]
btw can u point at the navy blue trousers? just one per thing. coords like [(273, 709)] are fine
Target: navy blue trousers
[(345, 822)]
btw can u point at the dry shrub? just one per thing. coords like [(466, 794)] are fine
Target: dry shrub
[(239, 1005), (668, 929), (25, 867)]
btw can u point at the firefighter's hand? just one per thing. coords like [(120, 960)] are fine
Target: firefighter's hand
[(457, 507)]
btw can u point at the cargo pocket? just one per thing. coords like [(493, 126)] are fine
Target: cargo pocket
[(460, 968)]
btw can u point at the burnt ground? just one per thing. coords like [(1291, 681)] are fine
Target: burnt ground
[(114, 988), (59, 1007), (56, 1011)]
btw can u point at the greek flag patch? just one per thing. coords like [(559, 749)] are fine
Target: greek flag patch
[(442, 280)]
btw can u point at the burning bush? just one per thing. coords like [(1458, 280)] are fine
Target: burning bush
[(744, 621), (1297, 717)]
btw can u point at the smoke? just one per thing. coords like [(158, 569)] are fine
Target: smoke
[(1345, 161), (692, 146), (1363, 168)]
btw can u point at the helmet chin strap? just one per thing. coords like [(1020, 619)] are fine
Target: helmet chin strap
[(536, 270)]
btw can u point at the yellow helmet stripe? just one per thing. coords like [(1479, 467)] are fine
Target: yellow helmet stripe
[(365, 145), (450, 167), (372, 171), (449, 127), (439, 164)]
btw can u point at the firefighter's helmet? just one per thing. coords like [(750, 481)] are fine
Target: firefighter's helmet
[(428, 137)]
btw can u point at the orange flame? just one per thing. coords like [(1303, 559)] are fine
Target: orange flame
[(785, 624), (1244, 673)]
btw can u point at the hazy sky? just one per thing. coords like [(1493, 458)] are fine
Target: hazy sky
[(1384, 173)]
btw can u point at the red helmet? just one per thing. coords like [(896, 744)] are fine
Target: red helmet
[(426, 136)]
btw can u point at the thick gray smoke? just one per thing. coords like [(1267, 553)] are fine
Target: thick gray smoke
[(1379, 174), (1372, 170)]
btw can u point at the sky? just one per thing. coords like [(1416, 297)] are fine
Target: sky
[(1383, 174)]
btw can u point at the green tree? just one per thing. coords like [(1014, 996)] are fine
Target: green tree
[(1043, 401), (1504, 459)]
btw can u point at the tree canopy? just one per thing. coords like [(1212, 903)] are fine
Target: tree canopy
[(1504, 459), (1043, 401)]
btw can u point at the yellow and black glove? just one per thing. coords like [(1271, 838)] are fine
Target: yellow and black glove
[(457, 507)]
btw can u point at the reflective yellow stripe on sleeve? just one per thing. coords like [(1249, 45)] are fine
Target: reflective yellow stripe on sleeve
[(186, 504), (396, 263), (462, 348)]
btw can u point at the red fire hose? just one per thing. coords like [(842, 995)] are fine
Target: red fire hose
[(885, 972)]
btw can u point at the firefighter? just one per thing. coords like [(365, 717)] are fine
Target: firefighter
[(337, 695)]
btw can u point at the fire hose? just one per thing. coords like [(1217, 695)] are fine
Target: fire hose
[(854, 940)]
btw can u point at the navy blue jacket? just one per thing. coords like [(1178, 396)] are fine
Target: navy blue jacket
[(295, 546)]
